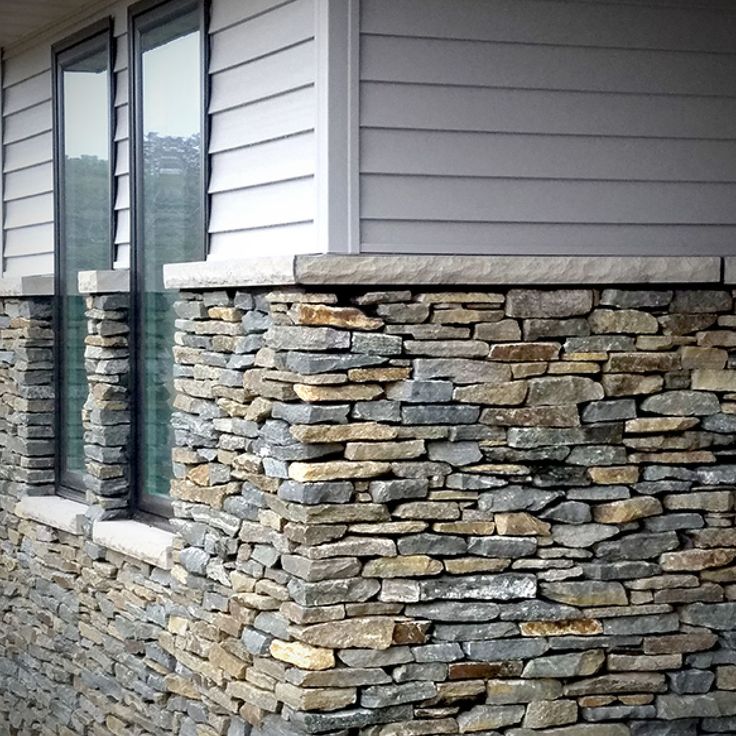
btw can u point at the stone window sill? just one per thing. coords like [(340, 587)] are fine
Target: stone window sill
[(54, 511), (135, 539)]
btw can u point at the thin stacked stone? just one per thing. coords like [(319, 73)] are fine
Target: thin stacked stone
[(476, 512), (106, 413), (26, 396)]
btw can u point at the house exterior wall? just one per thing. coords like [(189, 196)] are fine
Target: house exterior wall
[(547, 127), (404, 511)]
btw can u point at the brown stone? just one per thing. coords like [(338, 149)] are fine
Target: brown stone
[(586, 593), (621, 682), (323, 315), (623, 321), (478, 528), (631, 384), (511, 393), (694, 357), (464, 565), (224, 660), (631, 509), (411, 632), (710, 379), (693, 641), (524, 351), (485, 670), (309, 699), (642, 362), (395, 450), (379, 375)]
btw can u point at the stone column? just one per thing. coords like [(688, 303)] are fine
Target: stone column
[(106, 414), (26, 387)]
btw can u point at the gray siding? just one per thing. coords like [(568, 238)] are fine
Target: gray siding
[(262, 141), (27, 164), (548, 126)]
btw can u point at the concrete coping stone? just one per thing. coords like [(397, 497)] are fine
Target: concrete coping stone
[(135, 539), (27, 286), (54, 511), (430, 270), (729, 270), (104, 282)]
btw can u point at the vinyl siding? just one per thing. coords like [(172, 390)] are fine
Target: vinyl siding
[(262, 140), (548, 126), (27, 161)]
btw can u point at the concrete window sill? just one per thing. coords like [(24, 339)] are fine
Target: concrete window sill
[(135, 539), (54, 511)]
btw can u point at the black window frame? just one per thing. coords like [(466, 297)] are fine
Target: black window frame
[(142, 17), (72, 485)]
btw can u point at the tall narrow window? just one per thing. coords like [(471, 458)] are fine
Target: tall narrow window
[(83, 173), (167, 117)]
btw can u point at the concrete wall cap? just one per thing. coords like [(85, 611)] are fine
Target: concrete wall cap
[(104, 282), (387, 270), (27, 286)]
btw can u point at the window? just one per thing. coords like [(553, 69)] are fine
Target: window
[(168, 125), (83, 223)]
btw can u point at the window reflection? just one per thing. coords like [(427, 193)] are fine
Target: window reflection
[(83, 101), (170, 208)]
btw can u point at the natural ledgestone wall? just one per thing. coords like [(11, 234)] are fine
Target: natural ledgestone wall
[(107, 410), (406, 513), (464, 512), (26, 397)]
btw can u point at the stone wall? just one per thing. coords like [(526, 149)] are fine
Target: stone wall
[(409, 513)]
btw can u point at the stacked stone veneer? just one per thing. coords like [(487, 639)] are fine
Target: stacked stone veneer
[(26, 397), (409, 512), (106, 413), (474, 512)]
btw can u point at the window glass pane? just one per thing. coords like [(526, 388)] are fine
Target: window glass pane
[(170, 208), (85, 211)]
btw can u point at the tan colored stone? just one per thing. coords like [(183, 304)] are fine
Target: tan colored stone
[(451, 692), (402, 566), (226, 314), (466, 528), (511, 393), (694, 357), (521, 524), (224, 660), (572, 367), (611, 475), (569, 627), (309, 699), (214, 496), (395, 450), (524, 351), (379, 375), (660, 424), (696, 559), (336, 470), (347, 392), (643, 662), (374, 632), (726, 677), (323, 315), (533, 416), (465, 565), (710, 379), (181, 686), (630, 509), (302, 655), (328, 433)]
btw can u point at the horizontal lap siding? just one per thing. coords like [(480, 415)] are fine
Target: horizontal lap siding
[(544, 126), (262, 141), (27, 164), (28, 154)]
